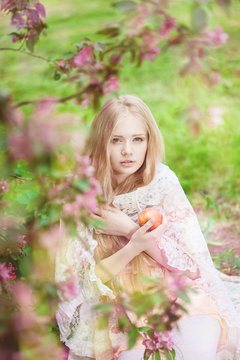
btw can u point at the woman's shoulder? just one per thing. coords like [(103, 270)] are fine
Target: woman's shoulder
[(164, 173)]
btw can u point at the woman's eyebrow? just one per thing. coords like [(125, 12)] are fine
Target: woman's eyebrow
[(121, 136)]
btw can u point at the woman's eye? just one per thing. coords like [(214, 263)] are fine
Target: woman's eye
[(138, 139), (116, 140)]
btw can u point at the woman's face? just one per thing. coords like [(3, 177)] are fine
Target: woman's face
[(128, 146)]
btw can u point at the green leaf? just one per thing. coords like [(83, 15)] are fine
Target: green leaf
[(199, 19), (144, 328), (110, 31), (145, 357), (82, 184), (30, 44), (148, 279), (157, 355), (133, 334), (125, 5), (183, 296), (96, 223), (105, 307), (102, 322), (170, 355)]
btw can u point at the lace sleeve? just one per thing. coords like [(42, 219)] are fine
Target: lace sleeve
[(185, 247), (75, 317), (183, 238)]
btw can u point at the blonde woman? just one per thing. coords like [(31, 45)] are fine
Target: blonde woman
[(127, 152)]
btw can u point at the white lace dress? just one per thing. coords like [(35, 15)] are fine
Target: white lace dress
[(185, 249)]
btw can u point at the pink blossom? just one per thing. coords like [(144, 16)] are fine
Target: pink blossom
[(85, 160), (168, 25), (149, 47), (24, 295), (7, 272), (176, 283), (217, 37), (215, 114), (4, 185), (90, 202), (41, 9), (115, 58), (18, 21), (68, 289), (86, 101), (143, 9), (32, 16), (167, 339), (84, 57), (22, 242), (95, 186), (69, 209), (158, 341), (111, 85), (61, 63), (151, 54)]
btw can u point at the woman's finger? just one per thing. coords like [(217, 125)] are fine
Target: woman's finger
[(147, 226), (98, 211), (96, 217)]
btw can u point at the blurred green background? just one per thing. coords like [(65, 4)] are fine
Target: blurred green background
[(207, 163)]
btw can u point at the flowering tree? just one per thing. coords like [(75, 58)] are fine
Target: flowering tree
[(44, 179)]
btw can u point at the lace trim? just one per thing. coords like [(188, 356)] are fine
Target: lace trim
[(182, 242), (76, 318)]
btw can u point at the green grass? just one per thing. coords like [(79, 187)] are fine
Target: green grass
[(209, 161)]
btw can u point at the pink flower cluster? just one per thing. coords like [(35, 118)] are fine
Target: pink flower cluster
[(26, 18), (4, 185), (216, 37), (88, 198), (159, 341), (84, 57), (6, 272)]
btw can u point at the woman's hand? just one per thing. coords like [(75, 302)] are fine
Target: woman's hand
[(144, 240), (117, 223)]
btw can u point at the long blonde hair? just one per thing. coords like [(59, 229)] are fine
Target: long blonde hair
[(97, 147)]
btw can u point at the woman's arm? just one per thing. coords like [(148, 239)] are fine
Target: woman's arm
[(112, 265), (117, 223)]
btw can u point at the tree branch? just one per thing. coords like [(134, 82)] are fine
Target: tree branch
[(26, 53)]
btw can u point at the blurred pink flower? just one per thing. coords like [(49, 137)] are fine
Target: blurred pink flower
[(7, 272), (167, 339), (84, 57), (216, 37), (68, 289), (17, 20), (95, 185), (4, 185), (151, 54), (111, 85), (158, 341), (86, 101), (215, 118), (61, 63), (19, 146), (176, 283), (168, 25), (115, 58), (24, 295), (90, 202), (149, 47), (40, 9)]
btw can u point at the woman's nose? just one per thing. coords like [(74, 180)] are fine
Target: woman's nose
[(126, 148)]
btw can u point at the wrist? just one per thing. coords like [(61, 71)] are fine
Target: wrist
[(132, 249), (134, 227)]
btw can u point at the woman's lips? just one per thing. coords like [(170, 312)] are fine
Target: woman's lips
[(127, 163)]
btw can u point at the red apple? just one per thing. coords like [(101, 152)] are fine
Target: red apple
[(148, 214)]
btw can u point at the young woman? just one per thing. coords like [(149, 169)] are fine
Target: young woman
[(127, 150)]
